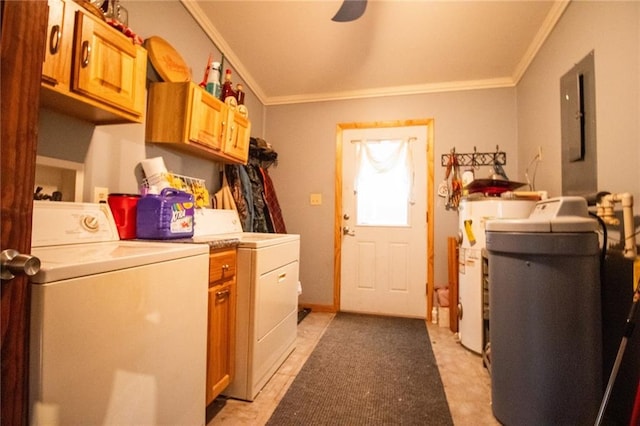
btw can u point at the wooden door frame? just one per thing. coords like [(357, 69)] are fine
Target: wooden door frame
[(337, 218), (24, 25)]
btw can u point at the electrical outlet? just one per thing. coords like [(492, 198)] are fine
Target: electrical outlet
[(539, 153), (100, 194), (315, 199)]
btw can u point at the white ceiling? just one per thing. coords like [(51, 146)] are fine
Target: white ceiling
[(290, 51)]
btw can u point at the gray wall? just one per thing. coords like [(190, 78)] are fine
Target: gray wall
[(612, 31), (305, 138)]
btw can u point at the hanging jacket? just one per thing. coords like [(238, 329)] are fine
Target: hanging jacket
[(273, 206), (261, 223), (240, 186)]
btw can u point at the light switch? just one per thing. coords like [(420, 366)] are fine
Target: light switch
[(315, 199)]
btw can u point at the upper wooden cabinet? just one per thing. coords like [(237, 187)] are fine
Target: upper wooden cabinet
[(237, 136), (189, 118), (92, 71)]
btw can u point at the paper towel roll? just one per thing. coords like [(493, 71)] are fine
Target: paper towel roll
[(153, 166)]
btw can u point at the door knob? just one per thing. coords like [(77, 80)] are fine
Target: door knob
[(13, 262), (348, 231)]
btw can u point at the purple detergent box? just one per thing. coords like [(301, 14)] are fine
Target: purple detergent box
[(166, 215)]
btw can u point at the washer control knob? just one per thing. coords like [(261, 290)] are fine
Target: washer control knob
[(90, 223)]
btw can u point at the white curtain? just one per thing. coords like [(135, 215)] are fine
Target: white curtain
[(384, 181)]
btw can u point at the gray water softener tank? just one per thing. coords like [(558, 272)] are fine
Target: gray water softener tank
[(545, 316)]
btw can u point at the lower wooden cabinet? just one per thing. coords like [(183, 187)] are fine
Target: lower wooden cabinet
[(222, 320)]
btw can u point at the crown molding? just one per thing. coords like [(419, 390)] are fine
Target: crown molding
[(218, 41), (550, 22), (419, 89)]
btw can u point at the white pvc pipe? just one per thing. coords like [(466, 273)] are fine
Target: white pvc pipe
[(630, 250)]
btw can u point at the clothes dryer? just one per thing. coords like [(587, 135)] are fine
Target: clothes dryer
[(267, 298)]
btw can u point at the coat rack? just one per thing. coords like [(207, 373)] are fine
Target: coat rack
[(475, 158)]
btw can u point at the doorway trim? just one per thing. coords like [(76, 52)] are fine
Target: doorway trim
[(337, 218)]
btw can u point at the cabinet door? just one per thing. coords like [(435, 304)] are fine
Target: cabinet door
[(237, 136), (56, 68), (221, 341), (206, 119), (108, 66)]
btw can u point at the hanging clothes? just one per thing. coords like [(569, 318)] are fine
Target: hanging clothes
[(273, 206), (240, 186), (261, 221), (223, 199), (254, 192)]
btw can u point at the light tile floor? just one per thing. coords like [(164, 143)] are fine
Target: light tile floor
[(466, 381)]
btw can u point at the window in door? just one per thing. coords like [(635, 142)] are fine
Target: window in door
[(384, 182)]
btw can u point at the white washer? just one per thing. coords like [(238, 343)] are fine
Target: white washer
[(267, 298), (118, 328), (473, 214)]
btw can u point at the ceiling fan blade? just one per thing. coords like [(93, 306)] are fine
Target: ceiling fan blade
[(350, 10)]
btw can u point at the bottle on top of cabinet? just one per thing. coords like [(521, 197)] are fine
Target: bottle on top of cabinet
[(240, 94), (213, 80), (227, 87)]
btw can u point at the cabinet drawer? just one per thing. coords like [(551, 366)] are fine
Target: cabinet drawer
[(222, 266)]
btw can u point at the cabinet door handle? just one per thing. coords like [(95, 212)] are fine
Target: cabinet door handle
[(222, 293), (231, 133), (54, 39), (282, 277), (49, 80), (225, 267), (86, 53)]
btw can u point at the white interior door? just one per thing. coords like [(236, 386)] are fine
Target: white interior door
[(384, 243)]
